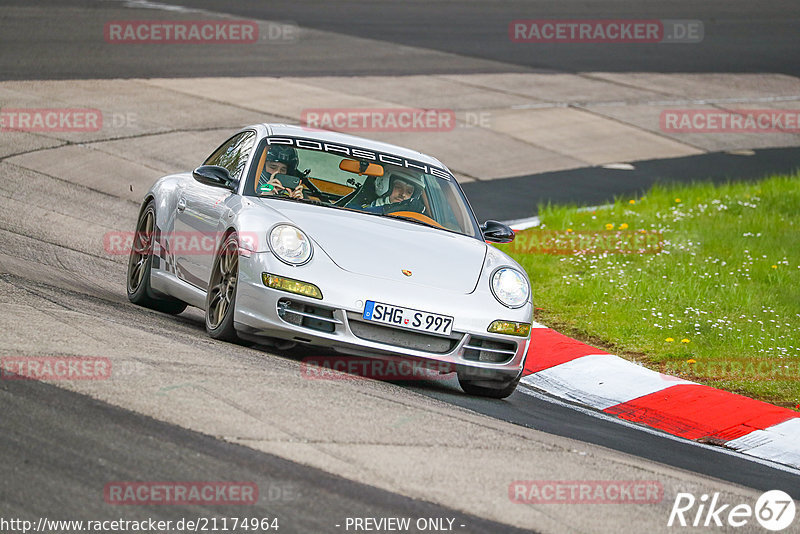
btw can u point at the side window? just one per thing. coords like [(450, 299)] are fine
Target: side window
[(234, 154), (442, 203)]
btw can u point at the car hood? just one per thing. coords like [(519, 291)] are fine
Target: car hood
[(382, 247)]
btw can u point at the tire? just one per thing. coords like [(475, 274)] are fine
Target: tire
[(501, 391), (221, 294), (140, 263)]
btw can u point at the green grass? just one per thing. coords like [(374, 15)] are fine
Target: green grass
[(725, 288)]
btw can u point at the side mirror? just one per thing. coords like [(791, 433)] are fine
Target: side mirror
[(215, 176), (497, 232)]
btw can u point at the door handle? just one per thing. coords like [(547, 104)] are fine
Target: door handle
[(181, 204)]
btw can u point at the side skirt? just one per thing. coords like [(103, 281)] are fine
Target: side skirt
[(169, 284)]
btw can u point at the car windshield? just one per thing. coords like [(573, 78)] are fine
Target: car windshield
[(362, 180)]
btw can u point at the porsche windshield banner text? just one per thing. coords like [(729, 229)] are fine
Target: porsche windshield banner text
[(360, 153)]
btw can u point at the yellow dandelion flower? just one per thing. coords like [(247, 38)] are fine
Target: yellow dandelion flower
[(691, 360), (677, 200), (774, 266), (631, 201), (685, 340), (669, 340), (569, 230), (609, 226), (623, 226)]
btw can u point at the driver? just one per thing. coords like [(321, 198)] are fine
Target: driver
[(397, 187), (280, 160)]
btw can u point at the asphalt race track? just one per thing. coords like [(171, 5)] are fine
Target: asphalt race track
[(140, 448), (183, 407), (735, 34)]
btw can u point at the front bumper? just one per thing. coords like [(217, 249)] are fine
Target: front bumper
[(336, 321)]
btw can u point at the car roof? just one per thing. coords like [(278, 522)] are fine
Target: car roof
[(352, 140)]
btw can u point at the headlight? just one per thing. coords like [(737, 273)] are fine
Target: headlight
[(510, 287), (290, 244)]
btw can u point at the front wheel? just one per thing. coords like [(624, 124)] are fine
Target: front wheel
[(221, 295), (485, 388), (140, 263)]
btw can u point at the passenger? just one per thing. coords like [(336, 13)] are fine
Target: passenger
[(280, 160)]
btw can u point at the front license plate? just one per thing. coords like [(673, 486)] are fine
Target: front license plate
[(407, 318)]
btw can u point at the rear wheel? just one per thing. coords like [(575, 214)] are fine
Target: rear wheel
[(140, 263), (221, 295), (486, 388)]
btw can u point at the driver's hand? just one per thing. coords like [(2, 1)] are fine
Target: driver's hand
[(297, 192), (275, 183)]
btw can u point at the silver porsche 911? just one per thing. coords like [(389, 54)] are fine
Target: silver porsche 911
[(287, 235)]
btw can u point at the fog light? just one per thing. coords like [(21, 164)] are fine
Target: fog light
[(510, 328), (291, 286)]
